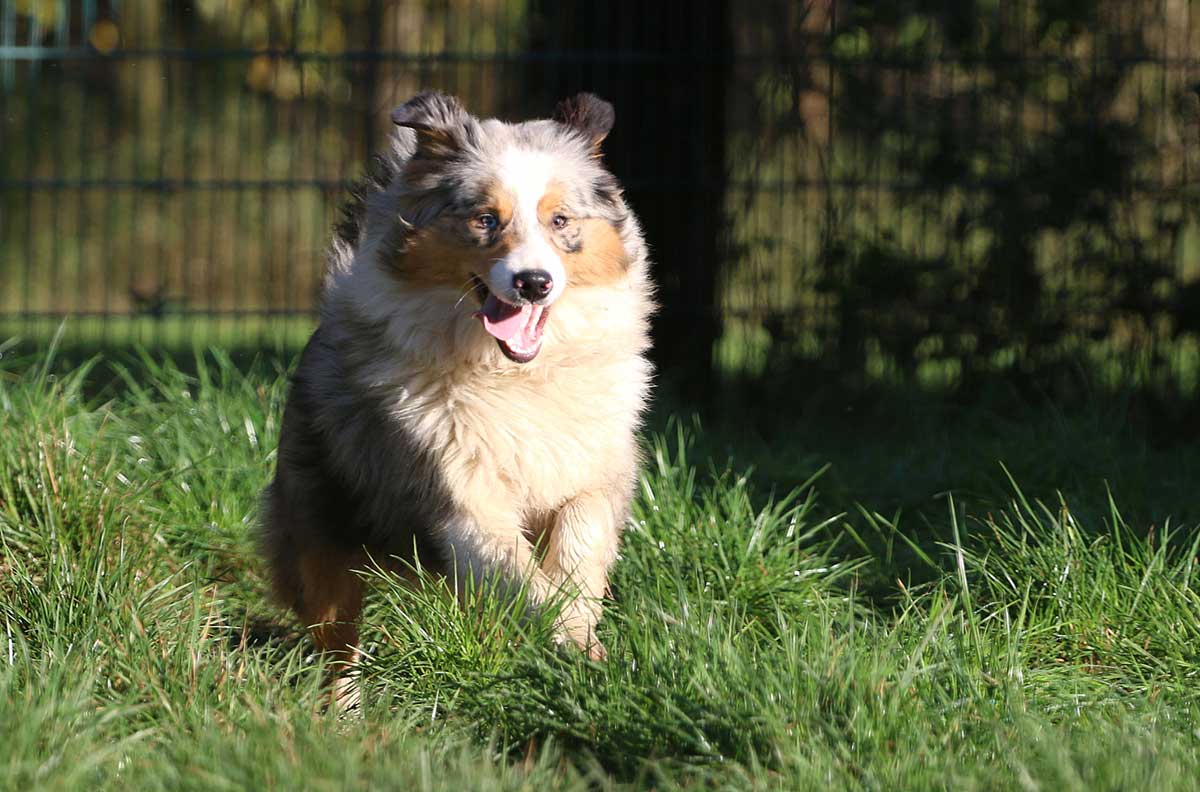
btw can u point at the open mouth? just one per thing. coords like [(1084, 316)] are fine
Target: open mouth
[(516, 328)]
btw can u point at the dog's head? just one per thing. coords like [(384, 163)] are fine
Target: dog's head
[(516, 214)]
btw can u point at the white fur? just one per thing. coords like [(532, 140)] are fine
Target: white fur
[(407, 407), (527, 174), (549, 443)]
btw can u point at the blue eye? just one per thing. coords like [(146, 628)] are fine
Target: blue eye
[(487, 221)]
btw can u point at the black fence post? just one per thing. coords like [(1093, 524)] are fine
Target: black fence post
[(666, 75), (371, 76)]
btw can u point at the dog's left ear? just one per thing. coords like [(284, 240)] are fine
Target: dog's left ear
[(589, 115)]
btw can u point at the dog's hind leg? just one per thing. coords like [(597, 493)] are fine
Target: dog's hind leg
[(330, 603)]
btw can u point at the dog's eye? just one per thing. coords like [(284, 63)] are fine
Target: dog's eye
[(487, 221), (559, 222)]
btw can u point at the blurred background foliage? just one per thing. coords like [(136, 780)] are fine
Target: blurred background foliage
[(925, 193), (997, 187)]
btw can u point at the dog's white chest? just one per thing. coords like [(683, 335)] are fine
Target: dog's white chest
[(543, 439)]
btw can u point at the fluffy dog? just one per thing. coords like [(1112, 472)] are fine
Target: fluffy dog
[(473, 389)]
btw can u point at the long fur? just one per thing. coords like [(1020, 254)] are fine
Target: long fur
[(407, 428)]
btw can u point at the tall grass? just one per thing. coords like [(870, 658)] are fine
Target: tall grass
[(1045, 649)]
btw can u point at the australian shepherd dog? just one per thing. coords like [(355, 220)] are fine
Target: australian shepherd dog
[(471, 395)]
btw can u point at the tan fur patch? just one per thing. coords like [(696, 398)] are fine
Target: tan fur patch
[(331, 603), (500, 201), (331, 600), (436, 257), (563, 480), (602, 260), (549, 202)]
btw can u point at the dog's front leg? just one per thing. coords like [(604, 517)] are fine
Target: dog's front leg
[(495, 548), (582, 546)]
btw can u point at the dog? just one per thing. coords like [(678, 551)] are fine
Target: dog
[(471, 396)]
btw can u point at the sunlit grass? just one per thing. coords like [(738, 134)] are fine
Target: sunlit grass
[(1023, 644)]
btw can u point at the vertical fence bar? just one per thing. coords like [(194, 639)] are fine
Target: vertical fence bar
[(862, 198), (80, 298), (188, 202), (8, 38)]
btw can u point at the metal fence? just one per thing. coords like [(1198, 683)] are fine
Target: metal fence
[(919, 190)]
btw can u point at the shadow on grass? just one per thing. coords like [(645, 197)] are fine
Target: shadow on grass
[(893, 454), (263, 632)]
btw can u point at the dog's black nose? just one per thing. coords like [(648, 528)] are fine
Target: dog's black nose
[(533, 285)]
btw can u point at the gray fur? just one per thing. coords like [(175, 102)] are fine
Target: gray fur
[(388, 206), (351, 473)]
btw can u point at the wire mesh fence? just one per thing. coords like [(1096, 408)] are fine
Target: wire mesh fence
[(918, 190)]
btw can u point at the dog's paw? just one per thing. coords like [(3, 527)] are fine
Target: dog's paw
[(585, 642), (343, 695), (596, 651)]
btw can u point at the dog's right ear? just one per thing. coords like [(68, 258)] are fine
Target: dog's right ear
[(440, 121)]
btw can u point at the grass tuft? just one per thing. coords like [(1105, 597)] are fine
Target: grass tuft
[(757, 638)]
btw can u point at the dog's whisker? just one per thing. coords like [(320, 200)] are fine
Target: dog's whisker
[(400, 434), (466, 294)]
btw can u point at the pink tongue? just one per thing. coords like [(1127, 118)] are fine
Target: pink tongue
[(503, 320)]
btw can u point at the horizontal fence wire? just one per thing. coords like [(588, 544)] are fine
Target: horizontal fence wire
[(912, 190), (29, 53)]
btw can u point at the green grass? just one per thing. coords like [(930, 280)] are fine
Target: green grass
[(1049, 644), (81, 337)]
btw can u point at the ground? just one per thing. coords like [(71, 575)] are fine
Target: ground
[(897, 597)]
